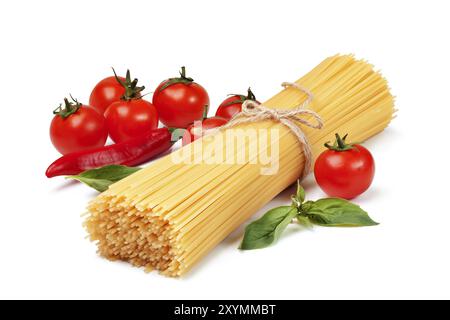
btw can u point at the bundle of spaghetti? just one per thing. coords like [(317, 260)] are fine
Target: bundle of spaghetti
[(169, 215)]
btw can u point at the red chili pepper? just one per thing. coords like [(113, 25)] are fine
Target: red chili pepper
[(129, 153)]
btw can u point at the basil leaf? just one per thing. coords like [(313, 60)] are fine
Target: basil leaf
[(266, 230), (300, 192), (304, 221), (336, 212), (100, 179)]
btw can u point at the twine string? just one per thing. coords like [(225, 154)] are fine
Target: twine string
[(253, 111)]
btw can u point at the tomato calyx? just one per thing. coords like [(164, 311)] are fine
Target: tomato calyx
[(68, 109), (340, 144), (181, 79), (240, 98), (132, 91)]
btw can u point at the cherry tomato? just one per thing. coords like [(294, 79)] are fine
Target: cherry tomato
[(180, 101), (344, 170), (105, 93), (130, 116), (77, 127), (130, 119), (233, 104), (194, 131), (110, 90)]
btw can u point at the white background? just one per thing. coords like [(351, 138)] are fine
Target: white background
[(52, 48)]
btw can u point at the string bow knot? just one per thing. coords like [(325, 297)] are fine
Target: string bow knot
[(253, 111)]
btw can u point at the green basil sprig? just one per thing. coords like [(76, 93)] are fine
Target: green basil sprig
[(331, 212), (100, 179)]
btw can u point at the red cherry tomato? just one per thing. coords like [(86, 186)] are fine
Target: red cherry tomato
[(112, 89), (180, 101), (345, 170), (233, 104), (130, 119), (130, 116), (194, 131), (77, 127), (106, 92)]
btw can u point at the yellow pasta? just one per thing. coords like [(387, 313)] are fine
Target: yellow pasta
[(172, 213)]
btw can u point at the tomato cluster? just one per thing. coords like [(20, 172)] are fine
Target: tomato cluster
[(117, 108)]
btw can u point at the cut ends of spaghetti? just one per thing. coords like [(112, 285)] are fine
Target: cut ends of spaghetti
[(139, 237)]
